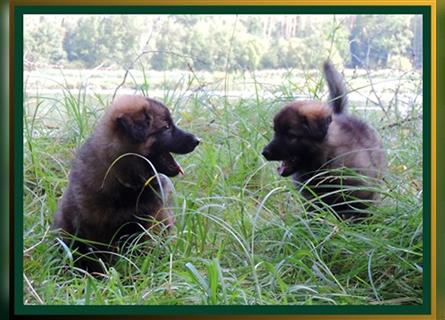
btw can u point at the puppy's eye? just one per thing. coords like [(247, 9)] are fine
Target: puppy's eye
[(293, 136), (166, 127)]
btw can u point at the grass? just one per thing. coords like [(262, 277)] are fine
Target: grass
[(242, 234)]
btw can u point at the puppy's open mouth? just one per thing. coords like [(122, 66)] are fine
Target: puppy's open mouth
[(166, 164), (287, 167)]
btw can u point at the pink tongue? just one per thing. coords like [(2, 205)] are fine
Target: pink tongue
[(181, 171), (281, 169)]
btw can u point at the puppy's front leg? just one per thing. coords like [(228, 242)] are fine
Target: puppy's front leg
[(165, 213), (160, 209)]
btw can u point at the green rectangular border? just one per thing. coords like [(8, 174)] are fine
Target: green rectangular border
[(17, 275), (440, 156)]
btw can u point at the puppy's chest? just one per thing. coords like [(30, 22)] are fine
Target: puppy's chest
[(135, 200), (123, 211), (317, 170)]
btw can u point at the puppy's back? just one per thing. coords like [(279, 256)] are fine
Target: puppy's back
[(351, 142), (354, 144)]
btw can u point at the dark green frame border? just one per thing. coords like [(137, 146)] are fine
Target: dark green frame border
[(440, 156), (17, 210)]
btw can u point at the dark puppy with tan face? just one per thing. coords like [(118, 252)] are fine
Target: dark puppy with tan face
[(110, 197), (336, 157)]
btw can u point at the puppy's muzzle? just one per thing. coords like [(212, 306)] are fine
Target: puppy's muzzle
[(272, 153), (266, 153), (182, 142), (196, 141)]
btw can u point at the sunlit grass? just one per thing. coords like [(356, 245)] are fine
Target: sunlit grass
[(242, 234)]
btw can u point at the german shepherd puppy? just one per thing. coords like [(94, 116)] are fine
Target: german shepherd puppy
[(109, 196), (335, 157)]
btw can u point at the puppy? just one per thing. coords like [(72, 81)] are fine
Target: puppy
[(109, 195), (335, 157)]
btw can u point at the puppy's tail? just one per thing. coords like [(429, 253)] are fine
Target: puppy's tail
[(337, 89)]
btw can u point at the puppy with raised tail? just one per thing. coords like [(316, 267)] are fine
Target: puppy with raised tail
[(336, 158)]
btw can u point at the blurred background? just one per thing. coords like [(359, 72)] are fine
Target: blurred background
[(257, 41)]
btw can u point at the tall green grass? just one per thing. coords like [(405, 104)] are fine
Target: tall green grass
[(243, 235)]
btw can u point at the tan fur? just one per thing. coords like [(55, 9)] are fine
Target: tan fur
[(311, 109), (353, 151)]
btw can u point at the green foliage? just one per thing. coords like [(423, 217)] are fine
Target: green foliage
[(400, 62), (206, 42), (253, 25), (168, 46), (209, 49), (43, 42), (417, 43), (374, 38), (336, 32), (96, 40), (302, 53), (247, 51)]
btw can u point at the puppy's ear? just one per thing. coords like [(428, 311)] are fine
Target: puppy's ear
[(136, 126), (316, 128)]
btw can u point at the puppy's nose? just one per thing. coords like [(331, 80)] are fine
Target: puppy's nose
[(266, 153), (196, 141)]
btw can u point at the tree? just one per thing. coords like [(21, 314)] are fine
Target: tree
[(247, 51), (417, 43), (43, 41), (374, 38), (205, 42), (169, 44), (97, 39)]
